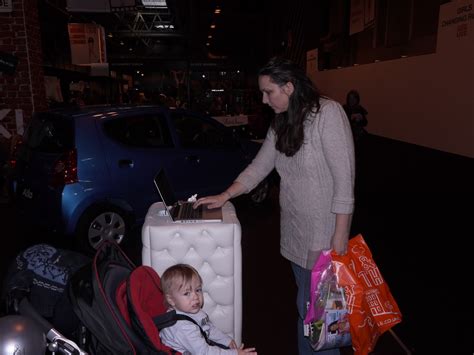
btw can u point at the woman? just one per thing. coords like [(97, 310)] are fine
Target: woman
[(310, 144), (356, 114)]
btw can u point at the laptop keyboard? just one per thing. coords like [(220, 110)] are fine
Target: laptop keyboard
[(188, 212)]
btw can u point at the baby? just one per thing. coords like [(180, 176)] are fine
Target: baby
[(182, 287)]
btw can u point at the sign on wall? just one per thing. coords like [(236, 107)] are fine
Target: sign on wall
[(100, 5), (52, 85), (6, 6), (154, 3), (456, 26), (87, 42), (18, 121)]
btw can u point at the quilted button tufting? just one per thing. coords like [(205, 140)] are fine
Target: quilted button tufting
[(214, 250)]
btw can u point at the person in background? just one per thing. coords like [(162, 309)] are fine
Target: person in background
[(217, 107), (181, 285), (356, 114), (310, 144)]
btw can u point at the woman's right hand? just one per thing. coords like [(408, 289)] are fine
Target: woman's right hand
[(242, 351), (214, 201)]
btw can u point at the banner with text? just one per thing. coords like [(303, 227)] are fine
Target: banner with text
[(87, 42)]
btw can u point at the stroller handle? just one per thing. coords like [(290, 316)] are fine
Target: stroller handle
[(58, 342), (25, 308)]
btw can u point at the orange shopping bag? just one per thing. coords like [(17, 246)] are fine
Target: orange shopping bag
[(372, 308)]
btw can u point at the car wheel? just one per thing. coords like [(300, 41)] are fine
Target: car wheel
[(260, 193), (100, 223)]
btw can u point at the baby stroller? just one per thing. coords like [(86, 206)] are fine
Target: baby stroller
[(120, 304), (116, 307)]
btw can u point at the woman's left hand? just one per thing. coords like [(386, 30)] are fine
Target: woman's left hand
[(340, 237), (339, 243)]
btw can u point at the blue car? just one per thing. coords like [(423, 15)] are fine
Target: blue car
[(89, 172)]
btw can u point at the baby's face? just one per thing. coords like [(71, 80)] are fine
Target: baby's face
[(188, 298)]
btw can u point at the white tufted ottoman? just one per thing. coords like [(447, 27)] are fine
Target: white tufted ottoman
[(213, 249)]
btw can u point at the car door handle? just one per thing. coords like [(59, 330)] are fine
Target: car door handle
[(193, 159), (125, 163)]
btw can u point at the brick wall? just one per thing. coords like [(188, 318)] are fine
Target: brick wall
[(21, 92)]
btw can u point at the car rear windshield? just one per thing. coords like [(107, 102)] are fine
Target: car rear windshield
[(50, 133)]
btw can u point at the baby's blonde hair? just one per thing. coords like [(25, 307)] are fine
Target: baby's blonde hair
[(177, 276)]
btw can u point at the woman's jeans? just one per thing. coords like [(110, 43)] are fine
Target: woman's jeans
[(303, 282)]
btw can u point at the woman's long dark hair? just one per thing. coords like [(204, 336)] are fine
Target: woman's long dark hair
[(289, 125)]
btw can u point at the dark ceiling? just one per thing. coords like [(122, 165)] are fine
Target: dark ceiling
[(144, 35)]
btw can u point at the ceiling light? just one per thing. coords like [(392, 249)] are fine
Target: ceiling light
[(217, 11), (210, 36), (208, 44), (213, 26)]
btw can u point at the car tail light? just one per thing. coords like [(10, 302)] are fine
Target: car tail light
[(64, 170)]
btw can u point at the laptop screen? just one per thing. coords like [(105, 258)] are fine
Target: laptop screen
[(168, 197), (164, 189)]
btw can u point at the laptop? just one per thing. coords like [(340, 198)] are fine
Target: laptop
[(183, 212)]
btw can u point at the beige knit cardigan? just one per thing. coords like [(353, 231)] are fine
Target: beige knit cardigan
[(316, 183)]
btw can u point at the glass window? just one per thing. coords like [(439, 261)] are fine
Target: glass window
[(194, 132), (140, 131), (50, 133)]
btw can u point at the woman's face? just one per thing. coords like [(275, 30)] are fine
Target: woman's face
[(277, 97)]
